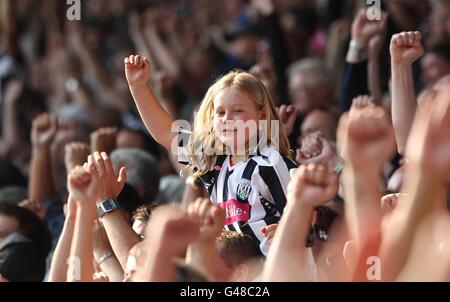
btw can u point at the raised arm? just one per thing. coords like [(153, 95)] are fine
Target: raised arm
[(373, 77), (91, 64), (368, 141), (10, 141), (155, 117), (201, 253), (119, 231), (354, 81), (83, 186), (428, 174), (43, 131), (289, 259), (405, 49), (58, 268)]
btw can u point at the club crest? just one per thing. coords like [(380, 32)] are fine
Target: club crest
[(243, 190)]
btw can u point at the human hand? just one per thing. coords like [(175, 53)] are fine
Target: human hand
[(108, 185), (406, 47), (212, 219), (364, 29), (288, 115), (313, 185), (103, 140), (83, 187), (43, 130), (137, 70), (428, 146), (269, 231), (315, 149), (75, 154), (366, 135)]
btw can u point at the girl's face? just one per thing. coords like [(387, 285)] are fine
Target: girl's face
[(235, 118)]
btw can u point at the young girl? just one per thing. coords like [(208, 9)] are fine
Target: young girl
[(245, 169)]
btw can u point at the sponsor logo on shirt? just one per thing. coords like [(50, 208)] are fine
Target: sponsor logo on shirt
[(235, 211)]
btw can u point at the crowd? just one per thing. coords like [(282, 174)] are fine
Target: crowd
[(238, 140)]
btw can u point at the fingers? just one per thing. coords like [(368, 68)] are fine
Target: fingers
[(362, 101), (99, 164), (136, 61), (407, 39)]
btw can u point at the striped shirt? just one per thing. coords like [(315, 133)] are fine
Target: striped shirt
[(252, 192)]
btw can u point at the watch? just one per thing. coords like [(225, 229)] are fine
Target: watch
[(106, 206)]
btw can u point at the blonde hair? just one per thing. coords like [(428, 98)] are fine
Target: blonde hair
[(203, 137)]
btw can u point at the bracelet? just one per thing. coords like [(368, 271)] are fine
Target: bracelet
[(105, 257)]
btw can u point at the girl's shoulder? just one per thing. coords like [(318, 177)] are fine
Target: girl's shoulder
[(270, 156)]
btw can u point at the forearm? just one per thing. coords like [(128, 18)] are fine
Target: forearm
[(403, 103), (10, 127), (58, 268), (100, 77), (421, 193), (120, 235), (287, 258), (373, 78), (362, 197), (112, 268), (159, 265), (81, 251), (40, 184), (155, 117), (202, 257), (7, 25), (163, 55)]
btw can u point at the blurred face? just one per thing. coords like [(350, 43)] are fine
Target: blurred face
[(129, 139), (433, 68), (8, 225), (321, 121), (301, 95), (232, 110)]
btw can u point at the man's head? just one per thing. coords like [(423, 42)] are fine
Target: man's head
[(436, 64), (142, 171), (323, 121), (310, 85), (24, 240), (239, 258)]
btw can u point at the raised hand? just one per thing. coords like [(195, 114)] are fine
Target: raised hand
[(43, 130), (366, 136), (315, 149), (406, 47), (82, 183), (108, 185), (288, 114), (313, 185), (364, 29), (103, 140), (75, 155), (173, 227), (211, 216), (269, 231), (137, 70), (429, 144)]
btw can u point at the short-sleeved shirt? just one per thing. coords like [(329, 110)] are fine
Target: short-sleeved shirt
[(252, 192)]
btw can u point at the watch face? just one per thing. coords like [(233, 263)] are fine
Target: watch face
[(109, 205)]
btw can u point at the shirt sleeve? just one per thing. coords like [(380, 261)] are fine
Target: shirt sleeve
[(183, 151)]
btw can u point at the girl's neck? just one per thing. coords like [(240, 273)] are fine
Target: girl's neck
[(235, 159)]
